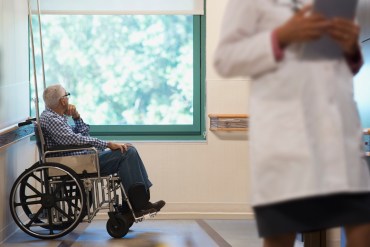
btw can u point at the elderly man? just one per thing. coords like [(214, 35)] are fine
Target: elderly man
[(118, 158)]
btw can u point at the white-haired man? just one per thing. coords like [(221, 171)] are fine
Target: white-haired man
[(113, 157)]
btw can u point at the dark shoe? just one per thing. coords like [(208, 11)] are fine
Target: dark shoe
[(145, 212), (156, 205)]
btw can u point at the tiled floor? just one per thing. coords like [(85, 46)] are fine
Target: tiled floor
[(154, 233)]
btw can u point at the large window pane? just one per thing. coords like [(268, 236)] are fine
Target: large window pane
[(122, 70)]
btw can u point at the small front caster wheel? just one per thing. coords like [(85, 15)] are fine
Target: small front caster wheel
[(118, 226)]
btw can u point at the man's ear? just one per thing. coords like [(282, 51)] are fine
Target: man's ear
[(62, 102)]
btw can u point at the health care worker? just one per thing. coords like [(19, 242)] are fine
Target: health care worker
[(306, 155)]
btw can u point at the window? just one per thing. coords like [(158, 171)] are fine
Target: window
[(131, 76)]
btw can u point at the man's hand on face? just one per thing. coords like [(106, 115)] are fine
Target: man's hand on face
[(72, 111)]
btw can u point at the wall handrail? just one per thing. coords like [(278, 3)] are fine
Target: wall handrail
[(16, 133), (228, 122)]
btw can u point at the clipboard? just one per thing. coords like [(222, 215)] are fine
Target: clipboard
[(325, 47)]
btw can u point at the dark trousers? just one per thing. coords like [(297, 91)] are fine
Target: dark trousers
[(128, 165)]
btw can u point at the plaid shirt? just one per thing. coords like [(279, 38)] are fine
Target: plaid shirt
[(57, 131)]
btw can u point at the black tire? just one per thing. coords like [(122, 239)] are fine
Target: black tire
[(69, 188), (46, 206), (131, 223), (118, 227), (129, 218)]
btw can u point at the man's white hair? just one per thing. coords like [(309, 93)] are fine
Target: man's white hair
[(52, 95)]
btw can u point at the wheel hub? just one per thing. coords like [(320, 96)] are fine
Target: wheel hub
[(48, 201)]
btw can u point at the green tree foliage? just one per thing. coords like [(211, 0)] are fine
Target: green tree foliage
[(122, 69)]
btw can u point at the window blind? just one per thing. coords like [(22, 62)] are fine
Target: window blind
[(120, 7)]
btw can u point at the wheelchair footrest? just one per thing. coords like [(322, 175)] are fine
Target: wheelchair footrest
[(145, 214)]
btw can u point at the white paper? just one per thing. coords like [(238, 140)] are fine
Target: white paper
[(325, 47)]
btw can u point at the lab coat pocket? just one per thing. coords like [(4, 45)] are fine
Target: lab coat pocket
[(283, 86), (281, 133)]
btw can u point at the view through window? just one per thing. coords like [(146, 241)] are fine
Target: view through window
[(121, 70)]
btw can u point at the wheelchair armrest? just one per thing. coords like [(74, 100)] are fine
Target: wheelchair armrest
[(69, 147)]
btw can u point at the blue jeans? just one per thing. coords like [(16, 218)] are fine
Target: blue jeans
[(128, 165)]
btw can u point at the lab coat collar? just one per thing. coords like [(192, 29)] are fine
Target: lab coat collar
[(292, 3)]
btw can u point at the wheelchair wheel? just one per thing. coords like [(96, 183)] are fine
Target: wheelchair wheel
[(118, 226), (69, 188), (47, 200)]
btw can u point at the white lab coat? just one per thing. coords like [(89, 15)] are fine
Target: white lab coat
[(305, 133)]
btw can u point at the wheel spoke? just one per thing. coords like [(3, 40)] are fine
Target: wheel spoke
[(51, 225), (31, 197), (33, 189), (60, 186), (37, 178), (64, 213), (32, 203), (67, 199), (57, 189), (72, 203), (32, 220)]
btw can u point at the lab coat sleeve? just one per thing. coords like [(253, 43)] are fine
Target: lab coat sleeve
[(243, 49), (355, 63)]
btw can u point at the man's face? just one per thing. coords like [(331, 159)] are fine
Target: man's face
[(64, 100)]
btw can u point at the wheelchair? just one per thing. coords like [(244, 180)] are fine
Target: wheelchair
[(49, 199)]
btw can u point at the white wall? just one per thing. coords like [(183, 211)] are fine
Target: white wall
[(207, 179), (13, 62), (13, 101)]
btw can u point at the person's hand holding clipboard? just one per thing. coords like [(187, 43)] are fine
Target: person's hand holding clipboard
[(341, 36)]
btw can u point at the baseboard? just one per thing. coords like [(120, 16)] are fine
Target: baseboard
[(207, 207), (192, 216), (200, 211)]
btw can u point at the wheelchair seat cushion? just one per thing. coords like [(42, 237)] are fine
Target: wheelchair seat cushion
[(79, 163)]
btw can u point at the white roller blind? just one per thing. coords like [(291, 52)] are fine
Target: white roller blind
[(187, 7)]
